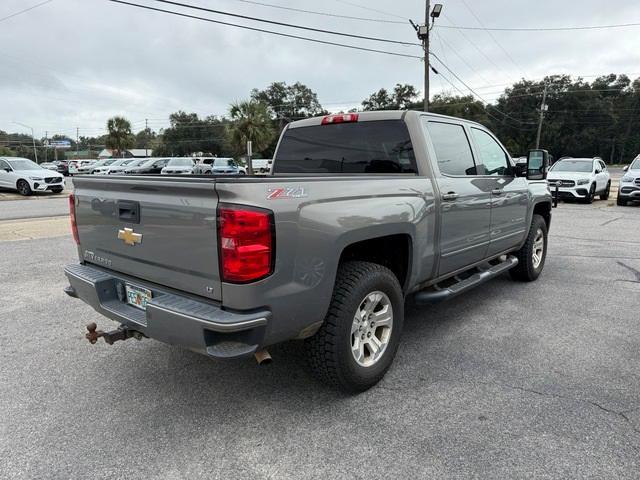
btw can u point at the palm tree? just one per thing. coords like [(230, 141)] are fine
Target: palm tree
[(119, 137), (250, 122)]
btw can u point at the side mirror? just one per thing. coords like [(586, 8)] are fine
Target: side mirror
[(8, 170), (626, 167), (537, 164)]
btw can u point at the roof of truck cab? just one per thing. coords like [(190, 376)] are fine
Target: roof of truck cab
[(377, 116)]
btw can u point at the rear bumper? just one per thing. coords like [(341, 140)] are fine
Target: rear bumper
[(170, 318)]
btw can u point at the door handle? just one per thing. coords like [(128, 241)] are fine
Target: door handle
[(497, 191), (449, 196)]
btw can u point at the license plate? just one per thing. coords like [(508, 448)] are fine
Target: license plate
[(138, 297)]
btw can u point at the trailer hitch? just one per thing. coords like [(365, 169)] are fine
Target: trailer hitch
[(120, 333)]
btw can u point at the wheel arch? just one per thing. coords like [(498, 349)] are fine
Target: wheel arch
[(543, 208), (394, 251)]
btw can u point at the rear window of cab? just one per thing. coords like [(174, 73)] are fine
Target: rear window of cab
[(381, 146)]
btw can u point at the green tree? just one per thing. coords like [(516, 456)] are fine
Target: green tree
[(402, 97), (189, 134), (145, 138), (119, 137), (288, 102), (250, 120), (6, 152)]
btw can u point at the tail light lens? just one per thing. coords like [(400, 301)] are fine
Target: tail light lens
[(245, 242), (72, 215), (340, 118)]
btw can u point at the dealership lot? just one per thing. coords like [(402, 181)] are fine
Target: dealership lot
[(510, 380)]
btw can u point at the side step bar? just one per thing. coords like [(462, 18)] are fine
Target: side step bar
[(437, 295)]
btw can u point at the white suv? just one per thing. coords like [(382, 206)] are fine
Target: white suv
[(580, 178), (26, 176)]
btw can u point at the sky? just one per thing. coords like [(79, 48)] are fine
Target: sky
[(72, 64)]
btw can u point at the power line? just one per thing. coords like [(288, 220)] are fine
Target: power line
[(542, 29), (443, 43), (470, 89), (372, 9), (24, 11), (289, 25), (468, 103), (492, 37), (325, 14), (288, 35), (473, 44)]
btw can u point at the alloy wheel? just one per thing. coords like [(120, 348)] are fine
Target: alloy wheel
[(538, 249), (371, 328)]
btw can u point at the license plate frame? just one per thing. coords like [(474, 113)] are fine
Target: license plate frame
[(137, 297)]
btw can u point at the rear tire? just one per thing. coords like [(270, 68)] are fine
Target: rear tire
[(24, 188), (532, 255), (357, 342), (605, 194)]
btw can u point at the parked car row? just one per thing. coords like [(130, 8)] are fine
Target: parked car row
[(172, 166)]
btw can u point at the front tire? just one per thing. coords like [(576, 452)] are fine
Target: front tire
[(358, 340), (591, 195), (532, 255), (24, 188), (621, 202)]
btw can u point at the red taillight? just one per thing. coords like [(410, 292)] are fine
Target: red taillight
[(340, 118), (245, 242), (72, 215)]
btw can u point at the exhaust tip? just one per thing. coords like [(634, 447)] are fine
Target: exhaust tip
[(263, 357)]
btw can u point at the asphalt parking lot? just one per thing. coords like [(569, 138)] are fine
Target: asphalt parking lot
[(509, 381)]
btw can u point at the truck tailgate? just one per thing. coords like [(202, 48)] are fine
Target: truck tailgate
[(162, 230)]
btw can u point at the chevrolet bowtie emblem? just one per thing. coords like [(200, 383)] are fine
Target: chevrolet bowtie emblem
[(129, 237)]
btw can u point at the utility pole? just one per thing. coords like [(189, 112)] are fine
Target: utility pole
[(423, 35), (425, 45), (46, 145), (77, 141), (543, 108), (146, 136)]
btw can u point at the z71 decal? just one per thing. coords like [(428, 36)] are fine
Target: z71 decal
[(283, 193)]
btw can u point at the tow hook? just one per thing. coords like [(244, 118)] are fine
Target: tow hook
[(120, 333)]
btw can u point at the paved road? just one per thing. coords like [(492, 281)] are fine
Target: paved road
[(510, 381), (49, 207)]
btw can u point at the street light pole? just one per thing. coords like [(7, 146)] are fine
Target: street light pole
[(33, 138), (423, 35)]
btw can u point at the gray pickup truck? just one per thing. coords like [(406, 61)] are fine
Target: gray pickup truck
[(360, 213)]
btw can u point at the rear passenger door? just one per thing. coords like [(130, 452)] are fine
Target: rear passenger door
[(602, 176), (465, 204), (509, 194)]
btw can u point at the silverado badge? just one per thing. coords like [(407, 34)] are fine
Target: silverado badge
[(129, 237)]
